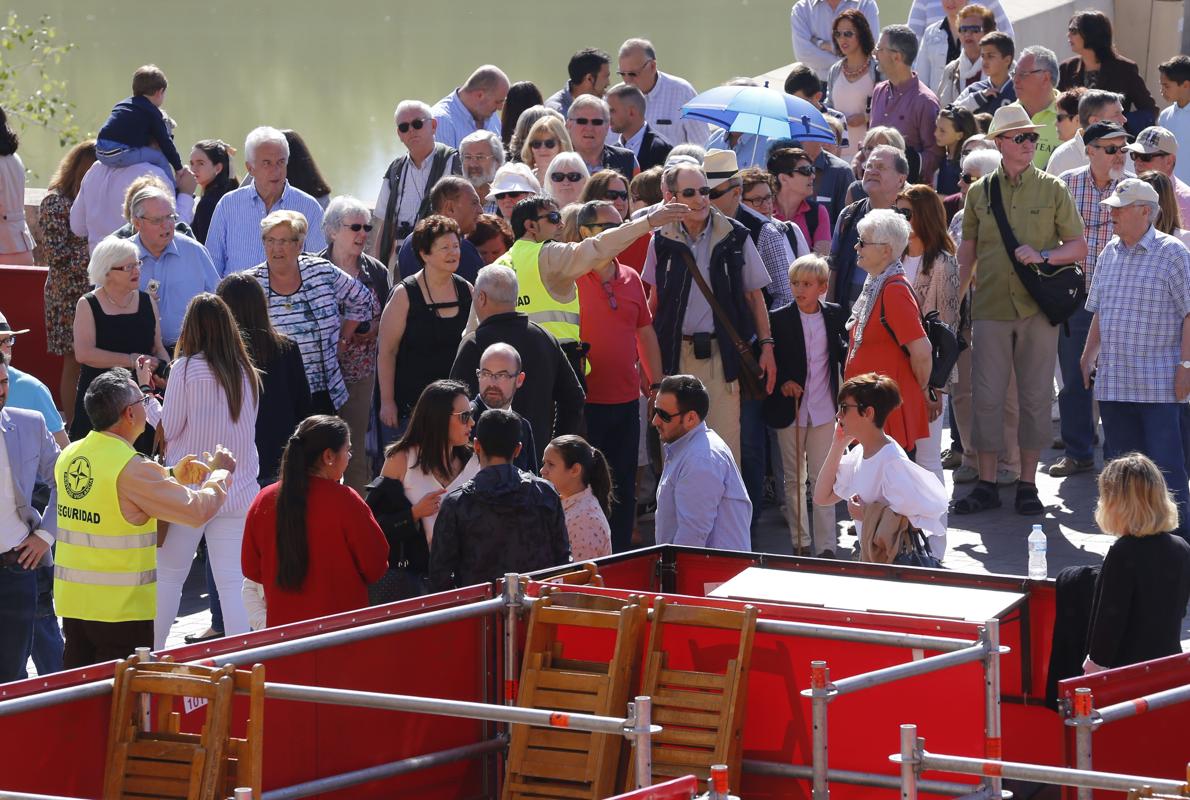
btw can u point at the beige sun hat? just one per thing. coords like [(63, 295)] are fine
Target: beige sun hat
[(1011, 119)]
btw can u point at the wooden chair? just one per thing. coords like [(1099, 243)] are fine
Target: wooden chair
[(166, 763), (551, 763), (586, 575), (701, 713)]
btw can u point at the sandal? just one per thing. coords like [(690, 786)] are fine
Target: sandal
[(1027, 502), (982, 498)]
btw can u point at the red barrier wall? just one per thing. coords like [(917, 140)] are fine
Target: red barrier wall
[(23, 302)]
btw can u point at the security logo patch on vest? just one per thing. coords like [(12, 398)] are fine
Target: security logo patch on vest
[(78, 479)]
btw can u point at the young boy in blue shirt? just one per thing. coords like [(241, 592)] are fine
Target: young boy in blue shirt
[(136, 122)]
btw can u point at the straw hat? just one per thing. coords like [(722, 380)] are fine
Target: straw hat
[(720, 166), (1011, 119)]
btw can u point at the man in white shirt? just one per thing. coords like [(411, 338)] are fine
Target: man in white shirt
[(98, 210), (1094, 106), (665, 94), (1175, 87), (812, 22)]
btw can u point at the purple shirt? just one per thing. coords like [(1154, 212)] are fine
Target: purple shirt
[(912, 110)]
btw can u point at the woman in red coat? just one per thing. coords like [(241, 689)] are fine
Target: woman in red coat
[(311, 544), (886, 335)]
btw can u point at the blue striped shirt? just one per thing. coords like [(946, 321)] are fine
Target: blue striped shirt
[(234, 239), (455, 121), (310, 316)]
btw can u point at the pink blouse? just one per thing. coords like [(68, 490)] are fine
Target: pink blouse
[(590, 535)]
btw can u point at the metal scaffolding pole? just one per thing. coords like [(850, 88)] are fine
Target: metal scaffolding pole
[(923, 666), (820, 695), (513, 594), (1083, 723), (992, 747), (640, 714), (910, 763), (1142, 705), (855, 778)]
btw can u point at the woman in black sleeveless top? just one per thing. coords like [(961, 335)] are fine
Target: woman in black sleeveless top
[(422, 323), (113, 325)]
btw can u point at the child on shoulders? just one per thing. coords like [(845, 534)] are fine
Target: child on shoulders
[(136, 124)]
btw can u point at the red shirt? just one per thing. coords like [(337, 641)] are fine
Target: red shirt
[(612, 333), (347, 551)]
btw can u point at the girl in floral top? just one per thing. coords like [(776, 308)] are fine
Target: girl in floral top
[(580, 474)]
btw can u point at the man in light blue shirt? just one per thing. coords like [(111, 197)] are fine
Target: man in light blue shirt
[(701, 499), (473, 106), (174, 267), (234, 239)]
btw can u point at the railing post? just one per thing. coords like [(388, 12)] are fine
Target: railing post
[(909, 762), (820, 695), (993, 750), (513, 593), (143, 656), (1084, 725), (640, 713)]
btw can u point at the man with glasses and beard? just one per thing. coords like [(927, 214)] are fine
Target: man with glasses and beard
[(499, 376), (482, 154)]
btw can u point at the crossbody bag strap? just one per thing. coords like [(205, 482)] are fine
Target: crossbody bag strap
[(716, 309), (996, 201)]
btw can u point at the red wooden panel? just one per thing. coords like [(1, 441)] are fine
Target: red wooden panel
[(23, 304)]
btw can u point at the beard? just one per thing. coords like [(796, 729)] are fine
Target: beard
[(480, 179)]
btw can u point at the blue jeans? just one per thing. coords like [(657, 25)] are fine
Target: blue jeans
[(47, 636), (615, 429), (1074, 401), (753, 437), (118, 154), (18, 607), (1156, 430)]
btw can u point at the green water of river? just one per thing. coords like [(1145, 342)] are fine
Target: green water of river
[(334, 71)]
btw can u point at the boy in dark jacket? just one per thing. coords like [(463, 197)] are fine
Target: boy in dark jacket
[(135, 123), (502, 520)]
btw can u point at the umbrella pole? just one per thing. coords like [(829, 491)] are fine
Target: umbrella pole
[(755, 141)]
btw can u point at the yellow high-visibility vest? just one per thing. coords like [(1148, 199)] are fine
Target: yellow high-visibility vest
[(105, 568), (533, 299)]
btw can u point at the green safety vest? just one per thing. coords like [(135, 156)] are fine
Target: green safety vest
[(534, 300), (105, 567)]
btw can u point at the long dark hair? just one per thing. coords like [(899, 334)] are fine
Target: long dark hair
[(863, 32), (8, 137), (245, 298), (929, 223), (220, 153), (1096, 30), (594, 473), (521, 95), (209, 330), (313, 437), (303, 172), (429, 430)]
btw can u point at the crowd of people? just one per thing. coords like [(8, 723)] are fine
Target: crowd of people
[(559, 311)]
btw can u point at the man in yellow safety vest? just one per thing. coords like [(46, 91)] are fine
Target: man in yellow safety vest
[(109, 499)]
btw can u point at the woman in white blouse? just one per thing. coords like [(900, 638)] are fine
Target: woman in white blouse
[(878, 469), (851, 79), (580, 474), (214, 391), (16, 242)]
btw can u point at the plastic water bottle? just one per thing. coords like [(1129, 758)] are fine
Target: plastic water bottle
[(1038, 569)]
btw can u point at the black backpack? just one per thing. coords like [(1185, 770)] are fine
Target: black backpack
[(944, 344)]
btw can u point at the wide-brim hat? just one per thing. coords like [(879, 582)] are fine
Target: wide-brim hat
[(6, 328), (1011, 118), (720, 167), (512, 180)]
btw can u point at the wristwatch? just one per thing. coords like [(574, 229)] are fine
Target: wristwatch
[(1045, 256), (1184, 364)]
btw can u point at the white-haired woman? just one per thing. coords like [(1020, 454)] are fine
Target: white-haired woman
[(886, 335), (566, 178), (346, 225), (114, 324), (305, 293)]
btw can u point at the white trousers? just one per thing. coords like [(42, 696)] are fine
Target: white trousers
[(929, 457), (225, 536)]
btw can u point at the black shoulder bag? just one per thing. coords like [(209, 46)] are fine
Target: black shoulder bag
[(944, 343), (1059, 289)]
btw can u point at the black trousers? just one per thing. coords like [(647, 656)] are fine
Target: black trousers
[(89, 642)]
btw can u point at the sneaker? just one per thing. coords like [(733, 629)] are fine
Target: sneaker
[(1069, 466), (827, 553), (965, 474), (951, 459), (1006, 477)]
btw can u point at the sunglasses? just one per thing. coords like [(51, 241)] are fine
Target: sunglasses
[(968, 178), (512, 195), (666, 416), (128, 267), (689, 193), (633, 73), (416, 124), (603, 226), (803, 170), (544, 143), (1021, 138), (616, 194), (595, 121), (907, 213), (1065, 117), (554, 217), (1145, 158), (719, 191), (356, 227), (844, 34), (970, 29), (573, 177), (1110, 149), (464, 415), (611, 295)]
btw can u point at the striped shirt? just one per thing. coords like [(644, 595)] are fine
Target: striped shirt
[(1141, 297), (310, 316), (1097, 227), (197, 418), (234, 239), (663, 110), (777, 255), (455, 121)]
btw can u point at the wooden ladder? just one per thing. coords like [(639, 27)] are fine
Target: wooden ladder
[(552, 763), (701, 713)]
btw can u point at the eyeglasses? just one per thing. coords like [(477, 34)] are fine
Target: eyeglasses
[(170, 218), (270, 241), (722, 189), (603, 226), (464, 415), (907, 213), (861, 244), (1021, 138), (759, 199), (968, 178), (573, 177), (666, 416), (634, 73), (844, 406), (554, 217), (1065, 117), (546, 143), (689, 193), (593, 121), (611, 296), (1110, 149), (8, 341), (844, 34), (488, 375), (128, 267), (416, 124), (356, 227), (1145, 158), (970, 29), (616, 194), (144, 401), (477, 157), (1020, 72), (1073, 29)]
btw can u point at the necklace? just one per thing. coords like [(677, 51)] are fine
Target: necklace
[(853, 74), (122, 306)]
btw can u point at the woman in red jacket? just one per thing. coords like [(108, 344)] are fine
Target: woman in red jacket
[(311, 544)]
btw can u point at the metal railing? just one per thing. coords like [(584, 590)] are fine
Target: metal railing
[(914, 759)]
